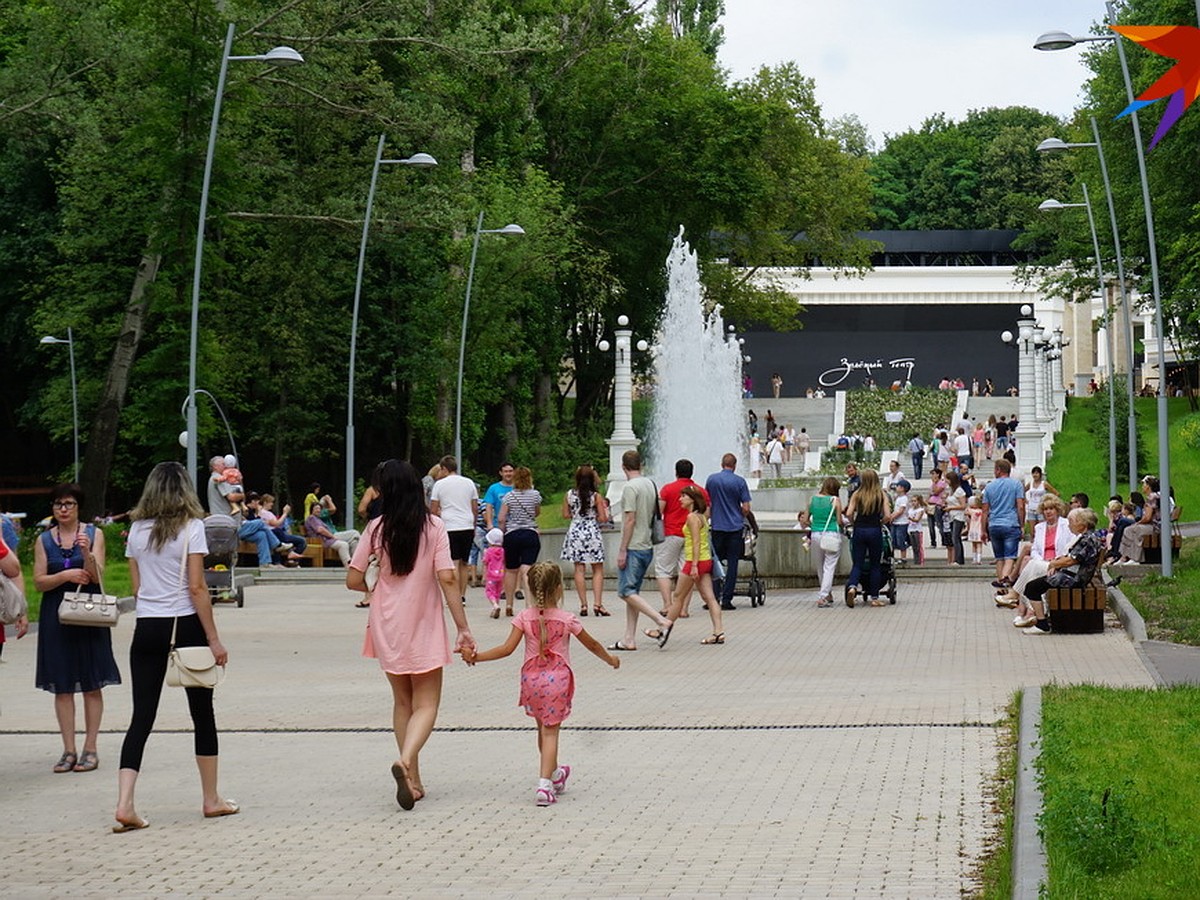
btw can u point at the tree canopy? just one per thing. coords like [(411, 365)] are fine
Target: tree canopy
[(600, 126)]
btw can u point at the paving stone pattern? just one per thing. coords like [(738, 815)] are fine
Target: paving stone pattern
[(819, 753)]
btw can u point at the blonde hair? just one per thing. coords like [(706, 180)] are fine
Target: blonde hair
[(546, 585), (170, 500), (869, 496)]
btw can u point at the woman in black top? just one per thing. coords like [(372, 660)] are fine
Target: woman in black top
[(867, 508)]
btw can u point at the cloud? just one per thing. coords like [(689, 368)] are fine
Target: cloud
[(895, 64)]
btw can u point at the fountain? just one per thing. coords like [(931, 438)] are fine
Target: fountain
[(697, 411)]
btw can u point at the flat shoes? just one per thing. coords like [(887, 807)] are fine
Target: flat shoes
[(229, 809)]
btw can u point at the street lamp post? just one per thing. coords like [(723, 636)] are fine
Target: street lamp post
[(420, 161), (70, 342), (1126, 304), (1059, 40), (279, 56), (511, 229), (185, 438), (1047, 206)]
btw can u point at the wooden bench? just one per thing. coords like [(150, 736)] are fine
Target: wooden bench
[(1152, 547), (315, 554), (1077, 610)]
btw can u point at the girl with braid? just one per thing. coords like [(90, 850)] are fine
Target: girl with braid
[(547, 682)]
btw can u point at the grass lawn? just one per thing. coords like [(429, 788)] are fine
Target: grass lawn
[(1120, 776), (1079, 461), (995, 869), (1171, 606)]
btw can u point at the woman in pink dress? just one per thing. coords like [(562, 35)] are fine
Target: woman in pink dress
[(547, 682), (406, 630)]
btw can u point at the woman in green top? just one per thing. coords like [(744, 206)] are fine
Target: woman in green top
[(824, 514)]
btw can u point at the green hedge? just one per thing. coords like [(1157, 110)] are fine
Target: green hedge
[(923, 408)]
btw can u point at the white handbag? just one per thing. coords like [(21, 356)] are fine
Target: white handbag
[(94, 610), (191, 666), (830, 541)]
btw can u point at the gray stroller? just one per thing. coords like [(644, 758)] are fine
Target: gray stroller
[(220, 565)]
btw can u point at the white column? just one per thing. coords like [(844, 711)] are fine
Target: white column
[(622, 438)]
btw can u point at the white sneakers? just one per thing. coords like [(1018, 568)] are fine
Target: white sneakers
[(559, 779), (1024, 621), (547, 793)]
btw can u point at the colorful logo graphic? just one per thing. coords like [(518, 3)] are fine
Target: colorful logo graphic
[(1181, 83)]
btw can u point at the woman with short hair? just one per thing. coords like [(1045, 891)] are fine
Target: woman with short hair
[(1075, 568), (72, 659), (166, 550)]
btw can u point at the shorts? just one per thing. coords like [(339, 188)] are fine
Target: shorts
[(667, 556), (629, 579), (703, 567), (460, 544), (521, 548), (1006, 539), (900, 537)]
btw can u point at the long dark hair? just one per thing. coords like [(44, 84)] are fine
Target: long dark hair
[(403, 514), (585, 486)]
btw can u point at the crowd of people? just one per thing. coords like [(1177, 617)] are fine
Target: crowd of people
[(1038, 540), (427, 539)]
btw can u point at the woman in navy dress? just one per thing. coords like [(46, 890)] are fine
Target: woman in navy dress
[(72, 659)]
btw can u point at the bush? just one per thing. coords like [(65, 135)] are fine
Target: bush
[(923, 409), (1189, 431)]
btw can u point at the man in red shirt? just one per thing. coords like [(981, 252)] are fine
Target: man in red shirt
[(668, 553)]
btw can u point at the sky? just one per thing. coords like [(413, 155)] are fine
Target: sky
[(894, 63)]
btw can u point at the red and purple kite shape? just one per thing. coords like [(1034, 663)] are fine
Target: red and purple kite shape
[(1181, 83)]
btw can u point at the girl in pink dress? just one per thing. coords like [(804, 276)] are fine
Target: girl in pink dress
[(493, 566), (547, 682), (406, 626)]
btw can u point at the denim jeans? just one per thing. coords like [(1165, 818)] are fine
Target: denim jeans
[(727, 547), (918, 461), (256, 530), (299, 544), (866, 545)]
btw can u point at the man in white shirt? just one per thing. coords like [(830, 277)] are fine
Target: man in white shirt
[(456, 500), (962, 447), (774, 452)]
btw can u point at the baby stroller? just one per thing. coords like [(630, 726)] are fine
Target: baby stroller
[(220, 565), (887, 566), (751, 586)]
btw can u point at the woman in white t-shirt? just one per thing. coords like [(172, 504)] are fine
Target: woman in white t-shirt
[(166, 549)]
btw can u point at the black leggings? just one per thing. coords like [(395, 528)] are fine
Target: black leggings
[(148, 669)]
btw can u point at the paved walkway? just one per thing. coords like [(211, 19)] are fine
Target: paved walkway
[(819, 753)]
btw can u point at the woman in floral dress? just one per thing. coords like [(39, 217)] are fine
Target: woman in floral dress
[(584, 545)]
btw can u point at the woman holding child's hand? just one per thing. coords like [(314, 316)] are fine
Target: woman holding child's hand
[(406, 629)]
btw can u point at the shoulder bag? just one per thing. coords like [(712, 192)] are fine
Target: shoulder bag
[(12, 601), (191, 666), (830, 541), (658, 532)]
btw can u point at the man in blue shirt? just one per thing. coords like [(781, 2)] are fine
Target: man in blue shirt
[(495, 496), (1003, 518), (730, 498)]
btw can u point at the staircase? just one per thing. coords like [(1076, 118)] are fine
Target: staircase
[(979, 408), (815, 415)]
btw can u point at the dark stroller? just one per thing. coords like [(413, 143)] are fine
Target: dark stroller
[(751, 585), (887, 567), (220, 565)]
